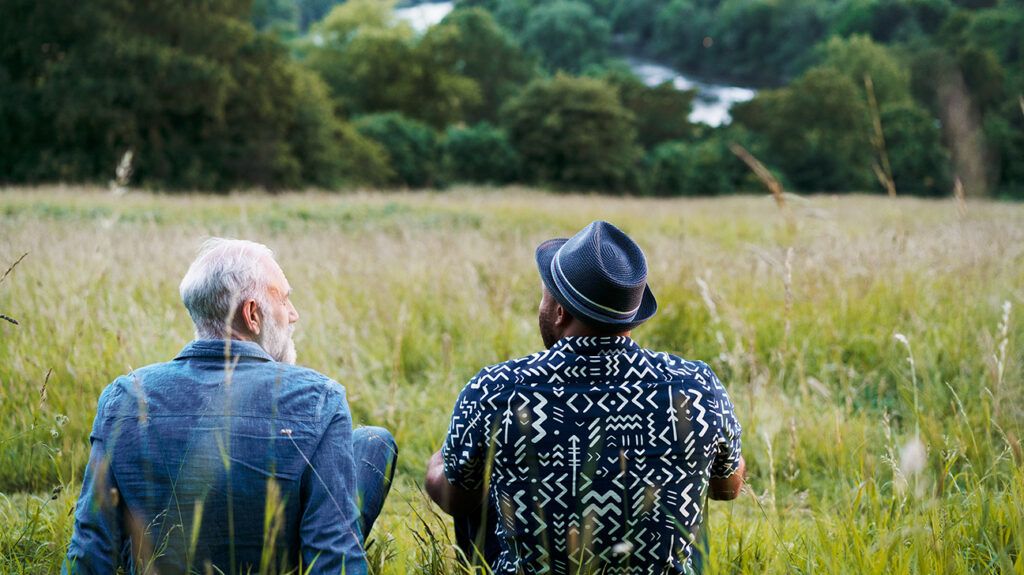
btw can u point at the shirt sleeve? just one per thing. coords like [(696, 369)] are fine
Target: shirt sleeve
[(729, 444), (98, 537), (332, 541), (474, 423)]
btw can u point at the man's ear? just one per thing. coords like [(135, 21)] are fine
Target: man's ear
[(251, 316), (562, 317)]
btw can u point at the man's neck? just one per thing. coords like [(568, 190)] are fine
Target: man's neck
[(578, 329), (233, 334)]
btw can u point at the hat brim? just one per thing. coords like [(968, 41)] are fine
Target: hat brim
[(546, 252)]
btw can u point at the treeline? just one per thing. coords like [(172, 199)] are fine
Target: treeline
[(902, 95)]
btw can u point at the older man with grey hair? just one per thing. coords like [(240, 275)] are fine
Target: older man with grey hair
[(229, 458)]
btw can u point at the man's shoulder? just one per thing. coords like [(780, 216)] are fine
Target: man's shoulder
[(164, 384), (680, 365), (304, 376), (282, 373), (513, 370)]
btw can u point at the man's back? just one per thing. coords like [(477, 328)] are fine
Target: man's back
[(602, 453), (229, 459)]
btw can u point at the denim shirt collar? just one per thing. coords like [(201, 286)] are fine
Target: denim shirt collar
[(223, 349), (581, 345)]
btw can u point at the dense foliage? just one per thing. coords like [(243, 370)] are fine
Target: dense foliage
[(856, 95), (480, 153), (573, 132)]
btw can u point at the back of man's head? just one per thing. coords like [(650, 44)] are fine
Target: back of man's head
[(225, 272)]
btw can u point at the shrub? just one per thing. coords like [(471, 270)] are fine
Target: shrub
[(480, 153), (573, 132), (683, 169), (411, 147)]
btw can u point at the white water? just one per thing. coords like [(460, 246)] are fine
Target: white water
[(423, 16), (711, 106)]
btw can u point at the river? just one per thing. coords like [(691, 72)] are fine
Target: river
[(711, 106)]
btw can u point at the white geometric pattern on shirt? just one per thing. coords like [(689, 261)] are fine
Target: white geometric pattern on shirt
[(599, 447)]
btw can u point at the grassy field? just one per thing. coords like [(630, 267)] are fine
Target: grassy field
[(872, 348)]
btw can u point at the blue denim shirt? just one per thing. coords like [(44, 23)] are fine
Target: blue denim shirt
[(222, 456)]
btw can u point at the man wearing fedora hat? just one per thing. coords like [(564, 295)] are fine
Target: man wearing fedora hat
[(596, 454)]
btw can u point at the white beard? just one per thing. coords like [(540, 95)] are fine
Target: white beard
[(277, 341)]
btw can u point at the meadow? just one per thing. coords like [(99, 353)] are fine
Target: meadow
[(872, 347)]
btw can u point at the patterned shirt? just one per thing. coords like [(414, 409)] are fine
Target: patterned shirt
[(599, 452)]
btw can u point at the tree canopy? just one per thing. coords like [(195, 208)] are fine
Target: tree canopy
[(573, 133), (864, 95)]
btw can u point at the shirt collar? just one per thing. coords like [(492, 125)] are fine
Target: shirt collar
[(580, 345), (222, 349)]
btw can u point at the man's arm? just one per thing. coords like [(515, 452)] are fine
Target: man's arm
[(728, 488), (330, 534), (98, 538), (455, 474), (728, 469), (453, 500)]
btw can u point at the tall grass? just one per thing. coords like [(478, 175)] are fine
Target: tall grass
[(872, 348)]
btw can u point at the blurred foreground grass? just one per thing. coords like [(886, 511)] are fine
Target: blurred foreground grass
[(843, 329)]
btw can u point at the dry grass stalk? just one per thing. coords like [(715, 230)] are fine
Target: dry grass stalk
[(961, 198), (122, 174), (961, 121), (10, 269), (882, 168), (42, 390), (999, 356), (2, 278), (787, 280), (761, 172)]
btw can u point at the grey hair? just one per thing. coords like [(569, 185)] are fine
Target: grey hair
[(225, 273)]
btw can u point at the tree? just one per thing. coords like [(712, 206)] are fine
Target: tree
[(510, 14), (661, 112), (312, 11), (333, 153), (573, 132), (275, 15), (636, 21), (480, 153), (702, 166), (1004, 132), (859, 57), (365, 61), (443, 95), (567, 35), (476, 45), (688, 169), (680, 27), (411, 147), (920, 165), (373, 64), (202, 100), (763, 41), (817, 130), (155, 79), (891, 20)]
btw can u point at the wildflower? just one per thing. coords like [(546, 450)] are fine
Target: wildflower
[(913, 457)]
